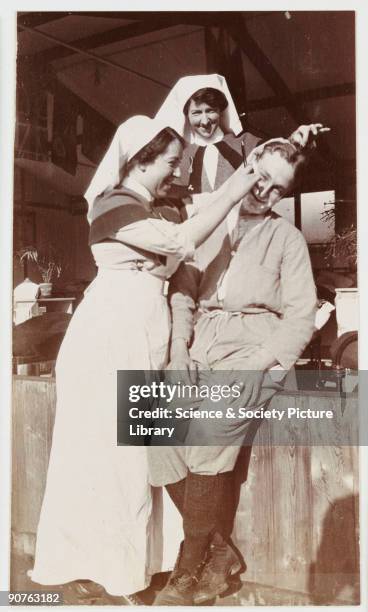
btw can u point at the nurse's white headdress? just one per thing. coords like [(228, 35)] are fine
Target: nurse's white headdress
[(171, 111), (130, 137)]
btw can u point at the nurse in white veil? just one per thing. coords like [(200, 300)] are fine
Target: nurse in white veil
[(98, 518)]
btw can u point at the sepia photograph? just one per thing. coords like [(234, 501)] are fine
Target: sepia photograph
[(185, 309)]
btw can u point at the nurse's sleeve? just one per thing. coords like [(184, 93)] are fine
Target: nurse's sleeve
[(157, 236), (183, 296)]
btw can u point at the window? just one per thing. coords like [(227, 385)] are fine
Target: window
[(313, 206)]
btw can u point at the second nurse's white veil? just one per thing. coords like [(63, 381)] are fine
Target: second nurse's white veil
[(171, 111)]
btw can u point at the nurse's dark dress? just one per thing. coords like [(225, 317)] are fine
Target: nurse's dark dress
[(203, 174)]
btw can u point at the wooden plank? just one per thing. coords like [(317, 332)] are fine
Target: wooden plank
[(283, 523), (254, 525), (291, 511), (271, 76), (33, 415), (101, 39), (334, 567), (307, 95), (266, 69), (297, 521), (35, 19)]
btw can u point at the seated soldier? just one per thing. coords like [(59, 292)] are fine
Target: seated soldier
[(256, 305)]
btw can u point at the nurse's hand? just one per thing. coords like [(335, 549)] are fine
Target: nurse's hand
[(305, 135), (181, 368), (240, 183)]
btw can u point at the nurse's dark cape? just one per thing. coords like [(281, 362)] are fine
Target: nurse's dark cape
[(120, 207)]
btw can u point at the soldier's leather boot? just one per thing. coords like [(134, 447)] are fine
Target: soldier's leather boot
[(179, 588), (222, 562), (178, 591)]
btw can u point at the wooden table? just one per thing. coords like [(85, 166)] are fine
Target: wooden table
[(53, 304)]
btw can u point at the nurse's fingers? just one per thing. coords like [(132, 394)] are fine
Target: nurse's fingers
[(303, 133), (241, 182)]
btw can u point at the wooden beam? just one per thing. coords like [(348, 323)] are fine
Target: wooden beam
[(177, 15), (266, 69), (269, 73), (174, 18), (89, 54), (77, 206), (203, 18), (321, 176), (208, 36), (33, 20), (111, 15), (308, 95), (144, 23), (100, 40)]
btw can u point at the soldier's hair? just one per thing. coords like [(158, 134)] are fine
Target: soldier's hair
[(295, 155)]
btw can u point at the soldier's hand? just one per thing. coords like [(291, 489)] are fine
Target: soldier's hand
[(181, 367), (250, 384)]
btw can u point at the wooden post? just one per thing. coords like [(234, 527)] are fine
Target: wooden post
[(298, 211)]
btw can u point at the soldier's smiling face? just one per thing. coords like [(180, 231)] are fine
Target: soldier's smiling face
[(277, 176)]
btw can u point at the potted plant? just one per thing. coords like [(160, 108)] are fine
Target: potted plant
[(47, 262), (341, 252), (342, 248)]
